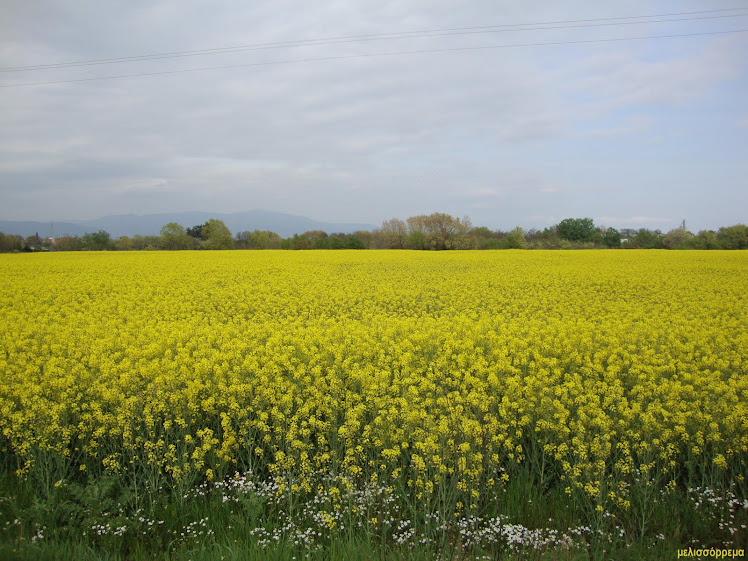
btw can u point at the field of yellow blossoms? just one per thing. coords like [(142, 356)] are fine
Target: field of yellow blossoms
[(436, 379)]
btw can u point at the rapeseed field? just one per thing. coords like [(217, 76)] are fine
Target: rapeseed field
[(418, 399)]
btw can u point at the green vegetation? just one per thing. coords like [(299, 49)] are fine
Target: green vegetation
[(243, 518), (436, 231)]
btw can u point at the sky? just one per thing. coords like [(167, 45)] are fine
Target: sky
[(362, 111)]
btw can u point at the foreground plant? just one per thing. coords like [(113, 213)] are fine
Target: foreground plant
[(442, 380)]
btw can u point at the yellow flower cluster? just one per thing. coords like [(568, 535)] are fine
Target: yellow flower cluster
[(599, 370)]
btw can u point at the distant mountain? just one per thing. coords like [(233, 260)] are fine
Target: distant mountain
[(28, 228), (150, 224)]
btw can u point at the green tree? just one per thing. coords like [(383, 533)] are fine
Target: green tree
[(545, 239), (266, 239), (392, 234), (10, 243), (299, 242), (124, 243), (439, 231), (482, 236), (197, 232), (676, 238), (464, 237), (336, 242), (217, 235), (318, 239), (173, 236), (151, 243), (354, 242), (514, 239), (258, 239), (483, 232), (733, 237), (68, 243), (97, 241), (611, 238), (138, 242), (576, 229), (365, 236), (705, 239), (241, 240), (33, 243), (646, 239), (417, 238)]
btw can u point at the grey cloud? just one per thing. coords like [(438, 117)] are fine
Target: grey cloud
[(484, 132), (626, 78)]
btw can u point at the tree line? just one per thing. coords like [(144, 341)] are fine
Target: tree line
[(437, 231)]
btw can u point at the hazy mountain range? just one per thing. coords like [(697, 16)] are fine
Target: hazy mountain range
[(150, 224)]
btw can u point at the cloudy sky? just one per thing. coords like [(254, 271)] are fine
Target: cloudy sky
[(364, 110)]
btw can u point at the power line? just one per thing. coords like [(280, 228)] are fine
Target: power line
[(564, 24), (371, 55)]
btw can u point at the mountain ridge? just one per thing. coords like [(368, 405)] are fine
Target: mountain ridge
[(120, 225)]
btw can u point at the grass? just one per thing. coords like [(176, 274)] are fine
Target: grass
[(107, 520)]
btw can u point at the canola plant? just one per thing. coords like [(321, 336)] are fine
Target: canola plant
[(438, 375)]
